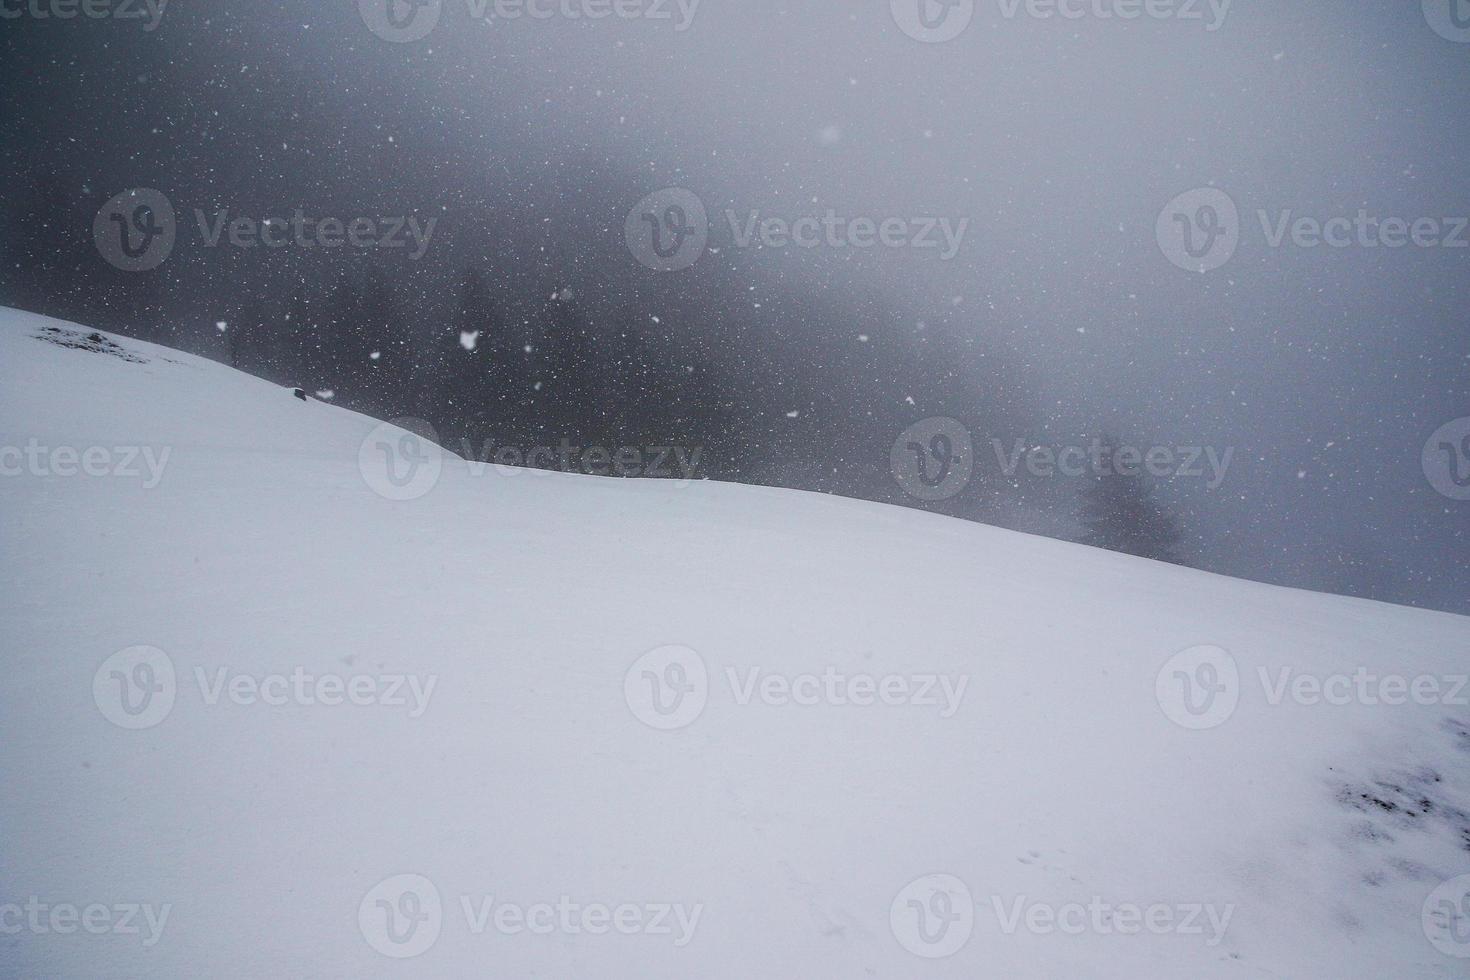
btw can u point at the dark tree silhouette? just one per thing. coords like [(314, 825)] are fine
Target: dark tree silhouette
[(1120, 513)]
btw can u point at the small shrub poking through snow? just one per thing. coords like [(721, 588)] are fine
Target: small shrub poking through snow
[(93, 342)]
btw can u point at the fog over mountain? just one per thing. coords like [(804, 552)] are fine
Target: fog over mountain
[(1026, 173)]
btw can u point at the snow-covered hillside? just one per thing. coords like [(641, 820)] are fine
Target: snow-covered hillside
[(260, 719)]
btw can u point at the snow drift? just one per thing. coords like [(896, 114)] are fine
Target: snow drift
[(290, 693)]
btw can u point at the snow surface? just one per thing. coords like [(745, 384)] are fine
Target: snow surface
[(796, 830)]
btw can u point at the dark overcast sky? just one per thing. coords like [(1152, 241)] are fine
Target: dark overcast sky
[(1325, 370)]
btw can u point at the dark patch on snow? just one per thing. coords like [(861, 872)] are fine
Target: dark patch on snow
[(1411, 870), (1370, 831), (1408, 801), (1416, 801), (1393, 797), (1460, 732), (93, 342)]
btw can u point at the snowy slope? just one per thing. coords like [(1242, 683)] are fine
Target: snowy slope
[(790, 840)]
